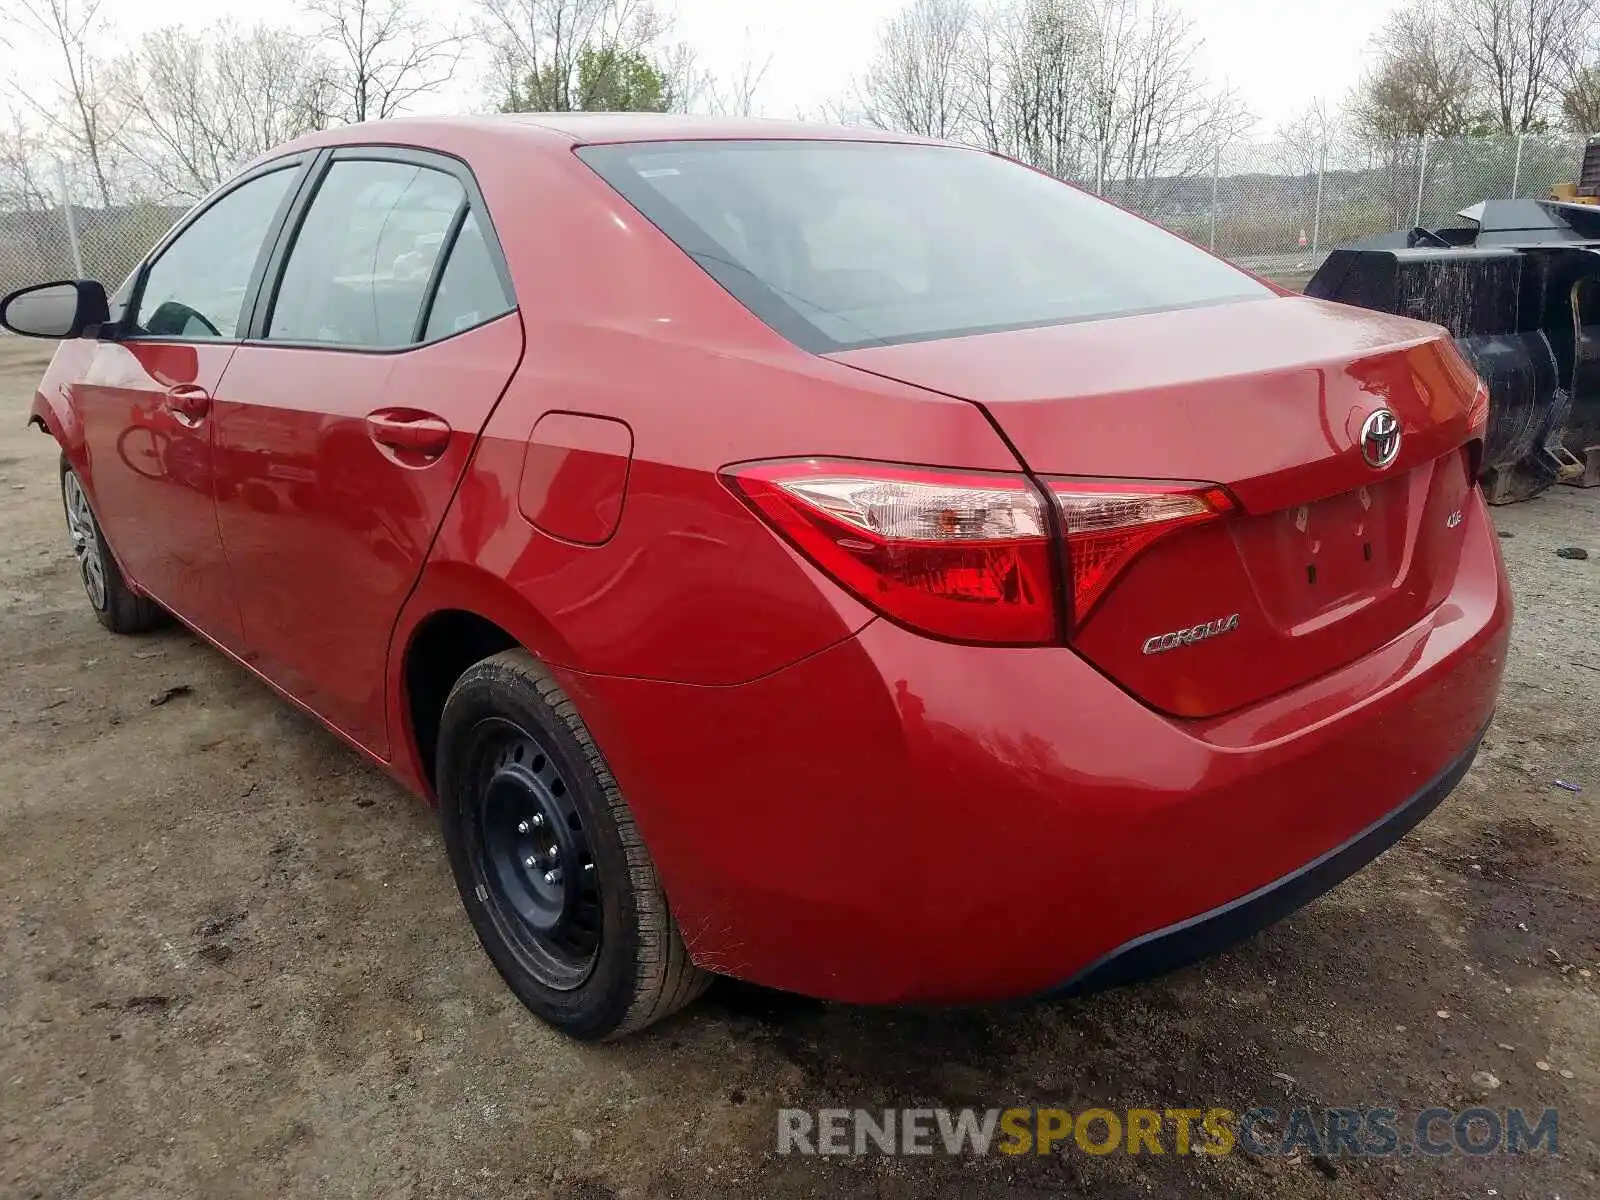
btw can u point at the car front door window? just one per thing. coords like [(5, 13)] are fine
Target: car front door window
[(195, 290)]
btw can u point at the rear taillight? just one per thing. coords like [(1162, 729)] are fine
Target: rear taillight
[(966, 555), (963, 555), (1477, 429), (1478, 411), (1110, 523)]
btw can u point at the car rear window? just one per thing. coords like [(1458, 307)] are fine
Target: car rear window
[(840, 244)]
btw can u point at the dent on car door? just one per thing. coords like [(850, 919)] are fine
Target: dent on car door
[(146, 401), (346, 422)]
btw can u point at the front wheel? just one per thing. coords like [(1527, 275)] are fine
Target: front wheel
[(552, 872), (118, 607)]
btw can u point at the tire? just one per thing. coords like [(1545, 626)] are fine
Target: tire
[(119, 608), (526, 797)]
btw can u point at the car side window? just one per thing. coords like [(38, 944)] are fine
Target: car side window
[(359, 269), (470, 291), (196, 288)]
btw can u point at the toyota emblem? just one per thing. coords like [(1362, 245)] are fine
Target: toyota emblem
[(1380, 438)]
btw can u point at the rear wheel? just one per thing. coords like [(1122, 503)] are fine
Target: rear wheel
[(119, 608), (551, 870)]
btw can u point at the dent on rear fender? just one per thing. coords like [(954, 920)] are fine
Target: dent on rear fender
[(688, 588), (452, 586)]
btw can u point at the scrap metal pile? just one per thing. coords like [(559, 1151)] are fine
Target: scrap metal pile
[(1517, 284)]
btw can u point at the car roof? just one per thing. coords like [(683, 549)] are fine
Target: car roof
[(661, 127), (586, 128)]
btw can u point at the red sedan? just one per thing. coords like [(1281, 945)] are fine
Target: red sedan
[(853, 563)]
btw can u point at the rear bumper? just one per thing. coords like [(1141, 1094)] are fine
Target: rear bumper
[(1198, 937), (901, 820)]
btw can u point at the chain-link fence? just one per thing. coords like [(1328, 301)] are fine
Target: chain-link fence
[(78, 242), (1279, 207), (1276, 207)]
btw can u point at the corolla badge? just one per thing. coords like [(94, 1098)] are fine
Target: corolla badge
[(1162, 642)]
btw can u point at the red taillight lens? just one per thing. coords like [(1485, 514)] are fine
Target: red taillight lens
[(1110, 523), (961, 555), (1478, 429), (1478, 413)]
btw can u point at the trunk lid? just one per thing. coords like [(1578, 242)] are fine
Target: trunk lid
[(1329, 557)]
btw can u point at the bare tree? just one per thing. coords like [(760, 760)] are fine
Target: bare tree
[(1580, 98), (1094, 90), (1521, 48), (200, 105), (1053, 103), (23, 167), (1109, 69), (1424, 82), (915, 79), (384, 56), (1580, 84), (540, 47), (81, 113), (1103, 91), (983, 77), (1166, 119), (686, 83), (1302, 142), (737, 97)]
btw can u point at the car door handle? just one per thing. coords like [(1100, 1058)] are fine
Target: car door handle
[(189, 401), (407, 429)]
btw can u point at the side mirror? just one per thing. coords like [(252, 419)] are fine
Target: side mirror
[(55, 310)]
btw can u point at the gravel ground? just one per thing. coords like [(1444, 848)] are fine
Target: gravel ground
[(232, 961)]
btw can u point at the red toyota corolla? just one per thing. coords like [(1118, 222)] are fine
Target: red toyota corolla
[(857, 564)]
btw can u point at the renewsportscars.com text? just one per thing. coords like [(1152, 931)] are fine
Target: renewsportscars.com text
[(1357, 1132)]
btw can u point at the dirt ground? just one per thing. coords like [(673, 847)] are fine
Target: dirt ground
[(232, 960)]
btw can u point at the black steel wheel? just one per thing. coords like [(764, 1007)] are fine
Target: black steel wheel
[(552, 873), (527, 836)]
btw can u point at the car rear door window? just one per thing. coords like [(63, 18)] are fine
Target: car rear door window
[(361, 264), (196, 287), (470, 290)]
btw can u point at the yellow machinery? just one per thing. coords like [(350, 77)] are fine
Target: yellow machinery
[(1587, 189)]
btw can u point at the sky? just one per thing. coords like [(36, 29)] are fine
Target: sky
[(1278, 54)]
